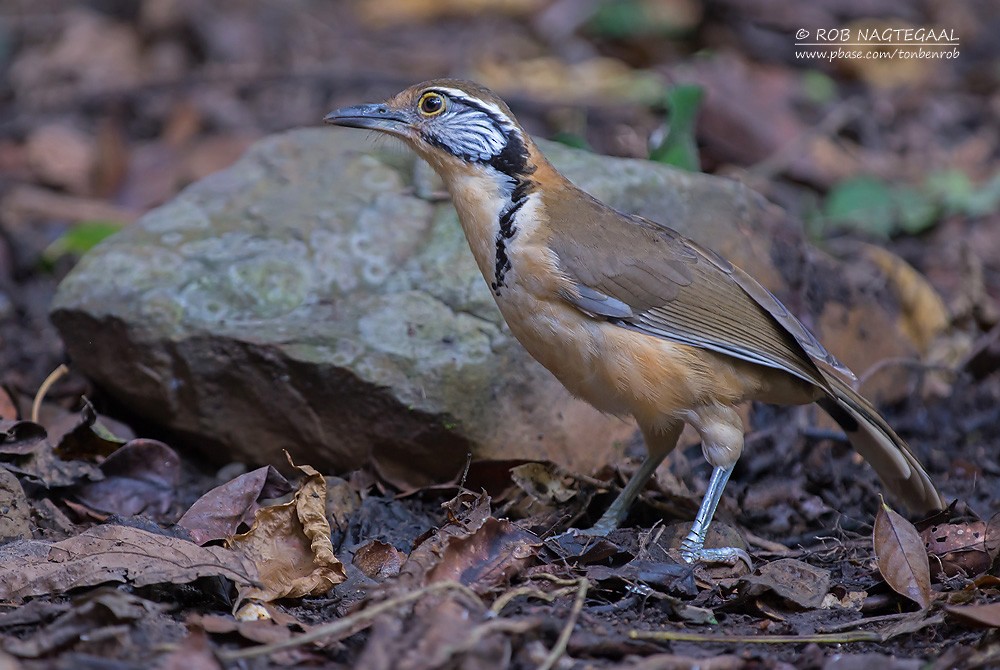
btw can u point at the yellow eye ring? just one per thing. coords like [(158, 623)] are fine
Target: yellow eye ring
[(431, 103)]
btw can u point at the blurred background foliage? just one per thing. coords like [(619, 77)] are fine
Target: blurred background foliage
[(109, 107)]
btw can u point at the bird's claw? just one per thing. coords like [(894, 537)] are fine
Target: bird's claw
[(724, 555)]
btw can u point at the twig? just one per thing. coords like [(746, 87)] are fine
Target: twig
[(560, 647), (981, 344), (818, 638), (558, 581), (767, 545), (347, 623), (465, 472), (53, 377), (530, 592), (845, 625)]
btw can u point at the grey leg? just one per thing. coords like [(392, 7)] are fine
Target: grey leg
[(693, 546), (618, 510), (660, 441)]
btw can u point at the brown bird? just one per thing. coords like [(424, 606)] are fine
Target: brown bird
[(628, 314)]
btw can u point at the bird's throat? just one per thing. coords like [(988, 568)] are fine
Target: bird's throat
[(506, 228), (489, 203)]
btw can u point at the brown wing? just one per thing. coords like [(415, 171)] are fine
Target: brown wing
[(647, 277)]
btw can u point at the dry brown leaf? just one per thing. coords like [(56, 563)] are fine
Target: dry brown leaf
[(62, 156), (546, 483), (901, 557), (923, 314), (219, 513), (18, 438), (34, 456), (81, 435), (92, 613), (112, 554), (486, 558), (290, 545), (982, 615), (957, 548), (663, 575), (378, 560), (8, 410), (467, 513), (263, 631), (193, 653), (15, 521), (793, 580), (139, 478)]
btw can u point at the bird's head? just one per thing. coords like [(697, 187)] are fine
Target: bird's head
[(453, 124)]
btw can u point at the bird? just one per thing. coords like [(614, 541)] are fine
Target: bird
[(628, 314)]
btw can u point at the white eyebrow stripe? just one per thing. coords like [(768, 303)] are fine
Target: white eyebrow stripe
[(462, 96)]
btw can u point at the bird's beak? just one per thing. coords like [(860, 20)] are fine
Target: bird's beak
[(372, 117)]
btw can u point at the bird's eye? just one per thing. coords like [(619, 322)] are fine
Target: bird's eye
[(431, 104)]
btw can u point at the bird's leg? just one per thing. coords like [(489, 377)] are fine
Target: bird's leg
[(721, 432), (693, 546), (659, 442)]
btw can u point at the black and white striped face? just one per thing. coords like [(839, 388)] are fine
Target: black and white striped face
[(468, 123), (466, 127)]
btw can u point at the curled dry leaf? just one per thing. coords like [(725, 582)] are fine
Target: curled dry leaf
[(486, 558), (290, 545), (219, 513), (112, 554), (901, 556), (472, 548)]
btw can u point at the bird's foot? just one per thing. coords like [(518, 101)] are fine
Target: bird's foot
[(725, 555), (602, 528)]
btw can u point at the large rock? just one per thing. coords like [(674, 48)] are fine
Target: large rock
[(310, 298)]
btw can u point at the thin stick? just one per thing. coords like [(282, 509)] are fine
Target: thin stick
[(560, 648), (53, 377), (505, 599), (818, 638), (345, 624)]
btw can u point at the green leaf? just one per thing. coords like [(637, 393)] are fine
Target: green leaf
[(959, 196), (572, 140), (862, 203), (818, 87), (629, 19), (952, 188), (80, 239), (917, 211), (680, 145)]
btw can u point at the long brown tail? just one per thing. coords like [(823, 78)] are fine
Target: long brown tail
[(897, 467)]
